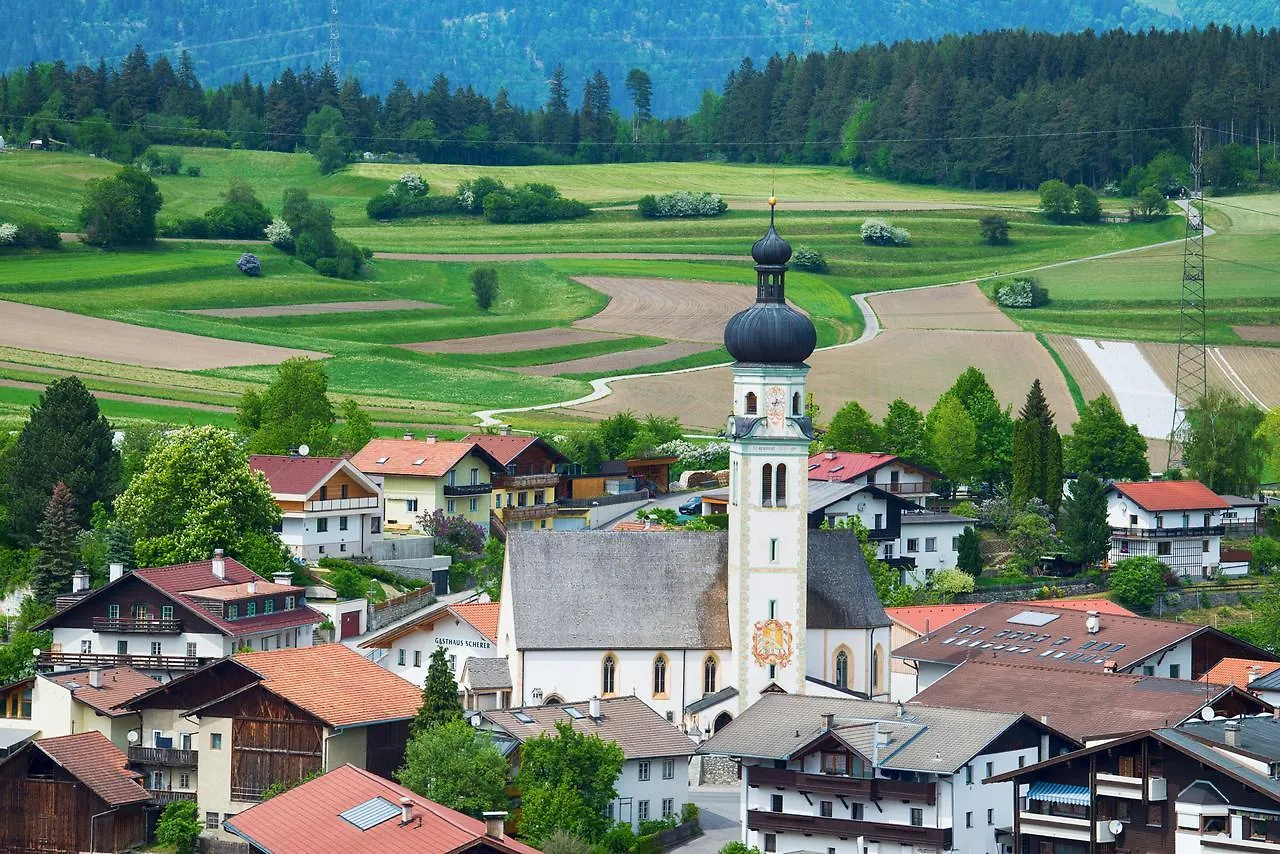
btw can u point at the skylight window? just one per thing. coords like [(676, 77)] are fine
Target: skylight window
[(382, 460), (963, 630), (1089, 645), (1060, 641), (523, 717), (837, 468), (371, 813), (949, 640), (1045, 654), (1100, 647), (419, 461), (1073, 656), (1118, 647), (1032, 618), (573, 713)]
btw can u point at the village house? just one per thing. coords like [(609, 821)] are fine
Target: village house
[(48, 705), (171, 619), (654, 781), (524, 492), (1206, 787), (485, 684), (889, 472), (852, 776), (419, 477), (464, 629), (1177, 521), (328, 507), (229, 731), (350, 810), (71, 793)]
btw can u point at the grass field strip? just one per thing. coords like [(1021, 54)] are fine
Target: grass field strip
[(1144, 398), (1235, 379)]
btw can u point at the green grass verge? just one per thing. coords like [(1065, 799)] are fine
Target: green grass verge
[(1077, 396)]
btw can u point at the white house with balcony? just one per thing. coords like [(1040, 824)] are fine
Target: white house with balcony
[(1180, 522), (328, 507), (889, 472)]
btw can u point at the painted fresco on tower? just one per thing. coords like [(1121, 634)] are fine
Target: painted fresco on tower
[(772, 642)]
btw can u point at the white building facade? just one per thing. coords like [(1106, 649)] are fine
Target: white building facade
[(465, 630), (1178, 522)]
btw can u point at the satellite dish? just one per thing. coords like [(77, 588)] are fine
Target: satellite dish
[(1207, 713), (1116, 827), (303, 450), (862, 505), (133, 736)]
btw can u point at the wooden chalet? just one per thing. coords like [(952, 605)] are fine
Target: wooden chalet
[(524, 490), (68, 794)]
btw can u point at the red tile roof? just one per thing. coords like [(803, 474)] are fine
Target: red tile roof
[(402, 454), (844, 465), (1235, 671), (99, 764), (505, 449), (1159, 495), (290, 475), (306, 820), (119, 684), (483, 617), (1102, 606), (336, 684), (185, 582)]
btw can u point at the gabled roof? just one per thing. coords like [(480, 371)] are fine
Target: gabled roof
[(1236, 671), (416, 458), (1081, 703), (506, 449), (639, 730), (119, 684), (295, 477), (93, 760), (308, 820), (925, 618), (846, 465), (486, 674), (1162, 495), (481, 616)]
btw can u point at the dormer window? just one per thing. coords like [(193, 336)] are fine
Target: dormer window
[(752, 406), (251, 609), (289, 603)]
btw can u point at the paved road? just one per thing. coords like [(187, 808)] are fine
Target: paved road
[(719, 819), (671, 501)]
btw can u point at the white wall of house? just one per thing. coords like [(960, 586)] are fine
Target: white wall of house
[(214, 771), (300, 532), (349, 745), (1185, 553), (169, 723), (977, 798), (934, 545), (207, 644), (872, 511), (636, 795), (864, 648), (410, 656), (1174, 662)]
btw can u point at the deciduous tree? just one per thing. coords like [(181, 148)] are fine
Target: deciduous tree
[(853, 429), (1102, 444), (1137, 581), (356, 430), (1221, 446), (904, 432), (293, 411), (1057, 202), (456, 765), (993, 446), (567, 783), (121, 210), (952, 439), (179, 827)]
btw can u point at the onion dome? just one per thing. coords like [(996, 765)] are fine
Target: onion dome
[(770, 331)]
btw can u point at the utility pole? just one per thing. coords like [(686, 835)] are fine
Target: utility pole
[(335, 51), (1192, 377)]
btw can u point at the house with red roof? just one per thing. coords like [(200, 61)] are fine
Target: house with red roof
[(246, 722), (420, 476), (328, 507), (1177, 521), (886, 471), (349, 809), (47, 705), (465, 629), (524, 492), (167, 620)]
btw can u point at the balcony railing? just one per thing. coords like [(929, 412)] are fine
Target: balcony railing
[(464, 491), (369, 503), (163, 797), (905, 488), (527, 514), (1118, 786), (163, 756), (872, 830), (862, 788), (1213, 843), (1076, 829), (49, 660), (526, 481), (1167, 533), (246, 793), (603, 500), (137, 625)]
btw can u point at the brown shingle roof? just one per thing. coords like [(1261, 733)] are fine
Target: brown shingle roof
[(505, 449), (290, 475), (336, 684), (638, 730), (189, 581), (1159, 495), (119, 684), (402, 454), (925, 618), (1080, 703), (307, 820), (99, 764)]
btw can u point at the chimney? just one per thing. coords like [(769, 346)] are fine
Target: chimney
[(902, 711), (219, 565), (79, 581), (406, 810), (116, 571), (431, 438), (95, 678), (495, 824), (1254, 672), (1231, 731), (593, 708), (408, 437), (252, 588), (504, 430), (282, 578), (831, 455), (1109, 666), (1091, 623), (828, 721)]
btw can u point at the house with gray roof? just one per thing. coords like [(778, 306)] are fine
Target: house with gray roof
[(848, 775)]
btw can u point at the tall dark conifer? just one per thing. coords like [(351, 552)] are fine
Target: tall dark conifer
[(1037, 452), (59, 547)]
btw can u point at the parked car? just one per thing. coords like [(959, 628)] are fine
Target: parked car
[(692, 507)]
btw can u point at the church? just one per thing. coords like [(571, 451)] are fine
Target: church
[(699, 625)]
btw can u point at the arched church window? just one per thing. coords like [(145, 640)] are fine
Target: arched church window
[(608, 674), (752, 407), (709, 675), (795, 404), (780, 485), (877, 666), (722, 720), (766, 485), (842, 669), (660, 674), (553, 700)]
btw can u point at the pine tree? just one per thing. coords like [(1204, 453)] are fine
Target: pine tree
[(1085, 533), (120, 547), (440, 702), (59, 547), (970, 552), (1037, 453)]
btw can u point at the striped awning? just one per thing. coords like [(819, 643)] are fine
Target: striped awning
[(1059, 793)]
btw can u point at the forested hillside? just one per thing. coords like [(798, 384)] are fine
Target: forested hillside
[(1002, 110), (685, 47)]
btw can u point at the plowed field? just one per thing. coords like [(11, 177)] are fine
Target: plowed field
[(954, 307), (666, 308)]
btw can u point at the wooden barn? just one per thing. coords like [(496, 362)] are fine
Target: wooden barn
[(76, 793)]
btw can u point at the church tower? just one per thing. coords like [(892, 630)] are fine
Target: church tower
[(769, 436)]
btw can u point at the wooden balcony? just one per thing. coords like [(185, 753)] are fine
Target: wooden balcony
[(860, 788), (1134, 533), (137, 625), (905, 488), (164, 797), (468, 491), (774, 822), (163, 756), (48, 660), (526, 481), (367, 503), (527, 514)]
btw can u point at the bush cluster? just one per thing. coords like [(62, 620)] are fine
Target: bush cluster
[(879, 232), (29, 235), (681, 203), (691, 456), (279, 234), (407, 196), (1022, 293), (160, 163), (314, 242), (808, 258), (531, 203), (241, 216), (249, 264)]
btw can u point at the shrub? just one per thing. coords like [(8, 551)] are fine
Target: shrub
[(690, 812), (691, 456), (1021, 293), (1137, 581), (34, 235), (619, 839), (531, 203), (807, 258), (156, 163), (563, 842), (994, 229), (484, 284), (392, 205), (409, 184), (681, 203), (179, 827), (327, 267), (249, 264), (879, 232), (8, 233), (193, 171), (951, 582), (470, 195), (279, 234), (1057, 201)]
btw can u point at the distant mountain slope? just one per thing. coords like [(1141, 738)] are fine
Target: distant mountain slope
[(685, 47)]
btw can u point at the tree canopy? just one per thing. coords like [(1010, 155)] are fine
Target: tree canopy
[(59, 548), (1222, 446), (993, 429), (456, 765), (1102, 444), (1137, 581), (440, 703), (1086, 536), (121, 210), (953, 439), (853, 429), (566, 783), (904, 432), (1037, 453)]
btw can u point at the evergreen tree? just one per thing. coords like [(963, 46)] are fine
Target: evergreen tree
[(970, 552), (66, 440), (904, 432), (1102, 444), (852, 429), (120, 547), (440, 702), (1086, 535), (1037, 453), (59, 547)]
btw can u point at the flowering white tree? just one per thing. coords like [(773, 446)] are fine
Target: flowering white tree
[(409, 184), (279, 234), (8, 233)]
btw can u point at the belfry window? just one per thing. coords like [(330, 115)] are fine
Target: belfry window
[(795, 404), (780, 485), (751, 406), (766, 485)]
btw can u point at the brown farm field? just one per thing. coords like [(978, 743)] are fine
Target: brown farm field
[(49, 330), (666, 308), (1257, 367), (953, 307), (614, 363), (897, 363), (1264, 334), (1087, 377)]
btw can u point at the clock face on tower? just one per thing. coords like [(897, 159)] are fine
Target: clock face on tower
[(775, 400)]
